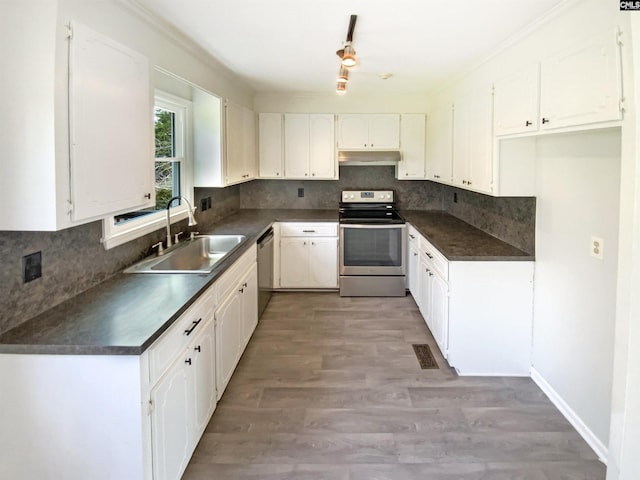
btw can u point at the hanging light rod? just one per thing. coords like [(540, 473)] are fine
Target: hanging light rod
[(347, 54)]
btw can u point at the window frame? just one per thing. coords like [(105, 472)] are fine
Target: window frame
[(114, 235)]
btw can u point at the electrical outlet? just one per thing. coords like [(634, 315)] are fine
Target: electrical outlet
[(300, 192), (455, 197), (32, 266), (203, 204), (208, 202), (597, 248)]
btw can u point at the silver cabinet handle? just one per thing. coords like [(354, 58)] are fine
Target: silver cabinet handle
[(308, 231)]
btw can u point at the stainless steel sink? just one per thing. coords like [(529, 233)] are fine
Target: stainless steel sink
[(199, 255)]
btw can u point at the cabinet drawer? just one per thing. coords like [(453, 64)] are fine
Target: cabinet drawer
[(328, 229), (172, 342), (413, 236), (230, 279), (439, 262)]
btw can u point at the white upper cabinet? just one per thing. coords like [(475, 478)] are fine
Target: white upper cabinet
[(309, 146), (473, 142), (241, 144), (516, 102), (270, 134), (440, 144), (412, 144), (109, 92), (361, 131), (56, 174), (215, 166), (578, 86), (582, 85)]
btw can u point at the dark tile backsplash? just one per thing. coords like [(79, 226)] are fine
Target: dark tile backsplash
[(511, 219), (414, 195), (73, 260)]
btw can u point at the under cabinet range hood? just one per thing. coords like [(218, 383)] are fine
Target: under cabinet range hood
[(369, 157)]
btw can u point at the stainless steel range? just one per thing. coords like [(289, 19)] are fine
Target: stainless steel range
[(372, 245)]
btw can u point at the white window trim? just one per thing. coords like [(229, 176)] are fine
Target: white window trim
[(114, 235)]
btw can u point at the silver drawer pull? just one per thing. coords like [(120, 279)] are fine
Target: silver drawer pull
[(308, 231), (428, 254)]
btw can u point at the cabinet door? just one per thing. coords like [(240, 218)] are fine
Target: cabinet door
[(472, 142), (294, 262), (384, 131), (248, 144), (228, 338), (109, 92), (581, 85), (323, 262), (171, 420), (296, 145), (322, 157), (439, 144), (425, 291), (439, 312), (412, 136), (461, 142), (515, 102), (270, 145), (481, 144), (353, 131), (235, 148), (414, 272), (249, 304), (203, 372)]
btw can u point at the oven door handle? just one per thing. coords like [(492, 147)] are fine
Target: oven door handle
[(374, 225)]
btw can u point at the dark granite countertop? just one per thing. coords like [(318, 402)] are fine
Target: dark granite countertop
[(127, 313), (460, 241)]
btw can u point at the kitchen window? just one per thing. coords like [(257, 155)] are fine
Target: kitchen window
[(172, 120)]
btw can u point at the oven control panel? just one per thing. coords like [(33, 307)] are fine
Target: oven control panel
[(368, 196)]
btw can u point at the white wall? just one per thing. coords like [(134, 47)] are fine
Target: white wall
[(577, 190), (352, 102), (624, 445)]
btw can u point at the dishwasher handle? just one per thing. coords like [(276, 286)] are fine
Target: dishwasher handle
[(265, 238)]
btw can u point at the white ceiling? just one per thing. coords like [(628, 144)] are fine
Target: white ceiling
[(289, 45)]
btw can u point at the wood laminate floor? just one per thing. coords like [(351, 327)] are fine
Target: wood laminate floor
[(330, 388)]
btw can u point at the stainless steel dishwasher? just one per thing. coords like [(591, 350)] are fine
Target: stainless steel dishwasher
[(265, 270)]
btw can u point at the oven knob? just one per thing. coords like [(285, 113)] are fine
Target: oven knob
[(353, 196), (388, 196)]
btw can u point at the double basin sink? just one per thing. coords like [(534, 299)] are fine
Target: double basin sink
[(199, 255)]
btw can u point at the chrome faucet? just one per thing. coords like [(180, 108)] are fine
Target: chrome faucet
[(190, 211)]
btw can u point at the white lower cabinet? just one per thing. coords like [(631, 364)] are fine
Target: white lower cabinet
[(237, 316), (413, 263), (128, 416), (182, 404), (434, 292), (413, 273), (308, 255), (479, 312)]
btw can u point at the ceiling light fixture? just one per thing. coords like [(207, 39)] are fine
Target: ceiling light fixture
[(343, 75), (347, 56)]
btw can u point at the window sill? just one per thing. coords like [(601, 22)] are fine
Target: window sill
[(120, 238)]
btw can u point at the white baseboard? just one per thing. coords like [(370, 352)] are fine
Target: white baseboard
[(598, 447)]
